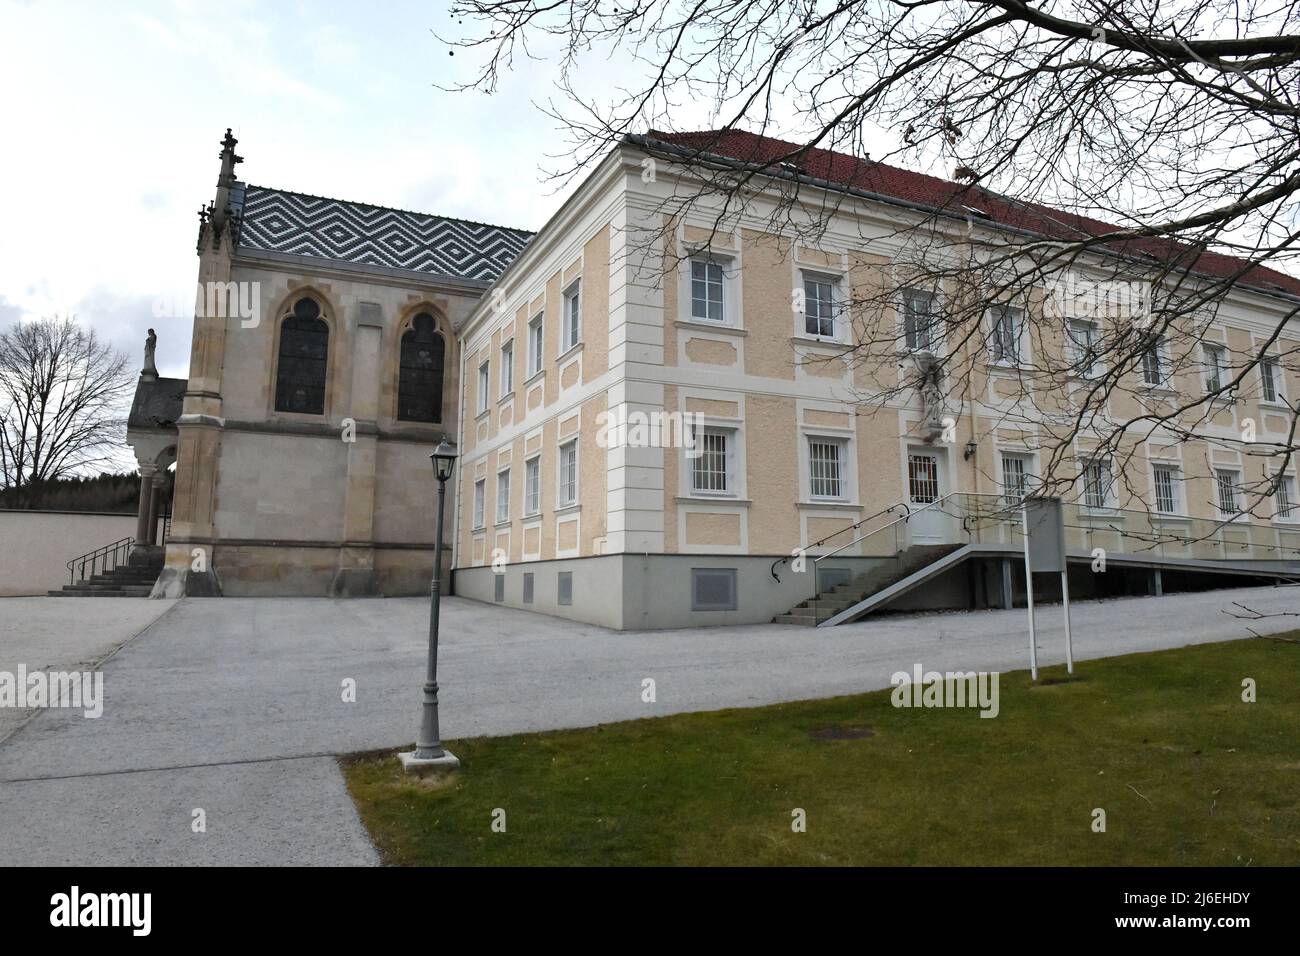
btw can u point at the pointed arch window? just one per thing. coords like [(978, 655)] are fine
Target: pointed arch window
[(419, 386), (303, 359)]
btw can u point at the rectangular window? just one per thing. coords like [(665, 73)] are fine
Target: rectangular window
[(535, 343), (1215, 360), (1285, 499), (1225, 484), (1154, 367), (1270, 376), (826, 468), (564, 588), (508, 368), (1006, 326), (706, 290), (483, 374), (1015, 477), (498, 587), (920, 320), (922, 478), (572, 318), (503, 495), (569, 474), (819, 305), (528, 587), (1083, 346), (711, 468), (1165, 479), (713, 589), (532, 486), (1097, 484), (480, 491)]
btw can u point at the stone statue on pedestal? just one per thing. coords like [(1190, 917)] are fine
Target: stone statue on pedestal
[(150, 345)]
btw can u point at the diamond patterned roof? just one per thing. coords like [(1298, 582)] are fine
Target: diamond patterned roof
[(296, 223)]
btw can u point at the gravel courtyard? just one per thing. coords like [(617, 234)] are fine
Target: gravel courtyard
[(236, 706)]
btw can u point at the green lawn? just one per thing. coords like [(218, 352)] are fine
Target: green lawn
[(1186, 772)]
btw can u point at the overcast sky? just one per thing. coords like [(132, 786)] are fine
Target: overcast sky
[(113, 112)]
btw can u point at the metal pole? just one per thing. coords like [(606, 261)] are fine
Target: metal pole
[(1069, 641), (429, 745), (1029, 594)]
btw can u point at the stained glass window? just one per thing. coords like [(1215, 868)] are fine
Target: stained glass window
[(419, 387), (304, 354)]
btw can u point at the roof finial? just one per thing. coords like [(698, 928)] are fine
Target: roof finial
[(221, 205)]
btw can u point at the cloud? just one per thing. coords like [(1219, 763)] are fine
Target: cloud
[(9, 312)]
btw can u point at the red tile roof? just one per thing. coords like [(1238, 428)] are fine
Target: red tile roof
[(938, 194)]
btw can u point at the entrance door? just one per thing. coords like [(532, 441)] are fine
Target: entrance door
[(925, 486)]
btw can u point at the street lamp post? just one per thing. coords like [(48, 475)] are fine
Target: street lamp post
[(429, 753)]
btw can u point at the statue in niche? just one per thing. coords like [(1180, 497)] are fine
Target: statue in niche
[(930, 387)]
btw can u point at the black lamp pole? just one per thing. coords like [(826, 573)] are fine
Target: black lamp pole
[(429, 745)]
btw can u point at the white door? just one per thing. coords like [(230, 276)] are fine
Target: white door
[(924, 487)]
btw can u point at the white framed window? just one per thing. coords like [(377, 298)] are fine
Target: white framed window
[(1214, 364), (533, 486), (484, 372), (820, 305), (568, 484), (1227, 499), (1166, 483), (1270, 380), (1006, 323), (503, 495), (1285, 505), (1155, 363), (920, 320), (507, 367), (827, 468), (1083, 335), (480, 493), (1098, 484), (1017, 470), (708, 290), (571, 330), (535, 328), (922, 477), (713, 467)]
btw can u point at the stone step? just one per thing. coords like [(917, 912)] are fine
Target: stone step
[(791, 619), (103, 590)]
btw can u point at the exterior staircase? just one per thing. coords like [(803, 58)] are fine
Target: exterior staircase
[(827, 604), (135, 578)]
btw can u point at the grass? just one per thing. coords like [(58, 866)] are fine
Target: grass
[(1187, 773)]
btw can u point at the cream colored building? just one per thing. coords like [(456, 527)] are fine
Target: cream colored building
[(620, 308), (630, 306)]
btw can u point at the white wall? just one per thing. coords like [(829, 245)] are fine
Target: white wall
[(35, 546)]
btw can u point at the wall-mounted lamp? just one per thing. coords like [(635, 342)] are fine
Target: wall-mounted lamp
[(971, 448)]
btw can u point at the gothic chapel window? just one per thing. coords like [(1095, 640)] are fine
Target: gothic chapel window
[(304, 350), (419, 387)]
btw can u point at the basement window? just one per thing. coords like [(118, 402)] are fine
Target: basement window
[(713, 589), (528, 587), (564, 588)]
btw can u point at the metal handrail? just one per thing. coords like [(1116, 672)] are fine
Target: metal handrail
[(818, 544), (99, 557), (905, 518), (1154, 540)]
